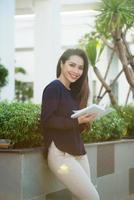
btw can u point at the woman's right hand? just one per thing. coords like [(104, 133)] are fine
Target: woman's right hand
[(87, 118)]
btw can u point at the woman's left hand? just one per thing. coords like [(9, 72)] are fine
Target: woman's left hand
[(87, 118)]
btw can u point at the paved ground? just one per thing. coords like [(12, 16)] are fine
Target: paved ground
[(65, 195), (60, 195)]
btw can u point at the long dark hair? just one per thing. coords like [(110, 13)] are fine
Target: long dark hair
[(80, 88)]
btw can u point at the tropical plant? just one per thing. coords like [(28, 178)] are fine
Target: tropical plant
[(23, 90), (115, 20), (3, 76), (94, 47), (113, 24)]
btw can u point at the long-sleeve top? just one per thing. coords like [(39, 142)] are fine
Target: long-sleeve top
[(57, 125)]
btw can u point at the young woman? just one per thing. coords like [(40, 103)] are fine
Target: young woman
[(64, 148)]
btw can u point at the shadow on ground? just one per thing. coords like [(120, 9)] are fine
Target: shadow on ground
[(60, 195)]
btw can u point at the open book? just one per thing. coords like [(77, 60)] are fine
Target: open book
[(94, 108)]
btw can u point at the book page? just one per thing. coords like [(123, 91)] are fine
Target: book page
[(94, 108)]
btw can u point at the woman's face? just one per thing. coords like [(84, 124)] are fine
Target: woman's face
[(72, 69)]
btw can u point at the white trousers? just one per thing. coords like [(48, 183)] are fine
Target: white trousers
[(73, 172)]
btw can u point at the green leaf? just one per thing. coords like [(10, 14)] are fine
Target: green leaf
[(101, 50), (114, 14), (91, 51), (20, 70)]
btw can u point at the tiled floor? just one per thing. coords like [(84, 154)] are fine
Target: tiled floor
[(60, 195), (130, 197)]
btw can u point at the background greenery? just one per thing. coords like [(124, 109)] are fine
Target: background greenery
[(3, 75), (109, 127), (20, 122), (23, 90), (127, 113)]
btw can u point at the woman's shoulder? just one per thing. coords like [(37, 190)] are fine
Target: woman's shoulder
[(53, 86)]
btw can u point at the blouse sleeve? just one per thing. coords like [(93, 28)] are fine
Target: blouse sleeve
[(50, 103)]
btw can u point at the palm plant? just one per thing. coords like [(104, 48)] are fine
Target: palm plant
[(94, 47), (113, 23), (3, 76), (23, 90), (116, 18)]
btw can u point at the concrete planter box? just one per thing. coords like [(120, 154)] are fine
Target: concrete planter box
[(112, 169), (24, 174)]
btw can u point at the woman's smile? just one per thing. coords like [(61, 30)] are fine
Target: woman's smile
[(74, 76)]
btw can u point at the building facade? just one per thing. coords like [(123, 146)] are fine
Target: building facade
[(39, 31)]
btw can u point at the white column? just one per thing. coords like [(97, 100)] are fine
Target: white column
[(7, 12), (47, 43)]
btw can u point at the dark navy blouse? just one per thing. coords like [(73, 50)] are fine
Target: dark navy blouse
[(56, 122)]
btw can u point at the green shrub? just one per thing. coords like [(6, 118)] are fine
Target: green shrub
[(127, 113), (20, 123), (109, 127)]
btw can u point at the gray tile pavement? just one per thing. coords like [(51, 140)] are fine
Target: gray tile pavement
[(60, 195)]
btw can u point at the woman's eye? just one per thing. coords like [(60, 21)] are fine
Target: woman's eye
[(81, 68), (72, 65)]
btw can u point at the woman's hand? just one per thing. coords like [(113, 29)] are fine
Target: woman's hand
[(87, 118)]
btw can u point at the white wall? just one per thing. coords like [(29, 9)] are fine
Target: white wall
[(25, 59), (7, 11), (24, 31), (75, 25), (24, 43)]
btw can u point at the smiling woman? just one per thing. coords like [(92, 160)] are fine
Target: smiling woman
[(71, 70), (64, 148)]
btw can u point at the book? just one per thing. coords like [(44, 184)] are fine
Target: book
[(94, 108)]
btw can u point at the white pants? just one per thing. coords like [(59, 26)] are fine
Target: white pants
[(73, 172)]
